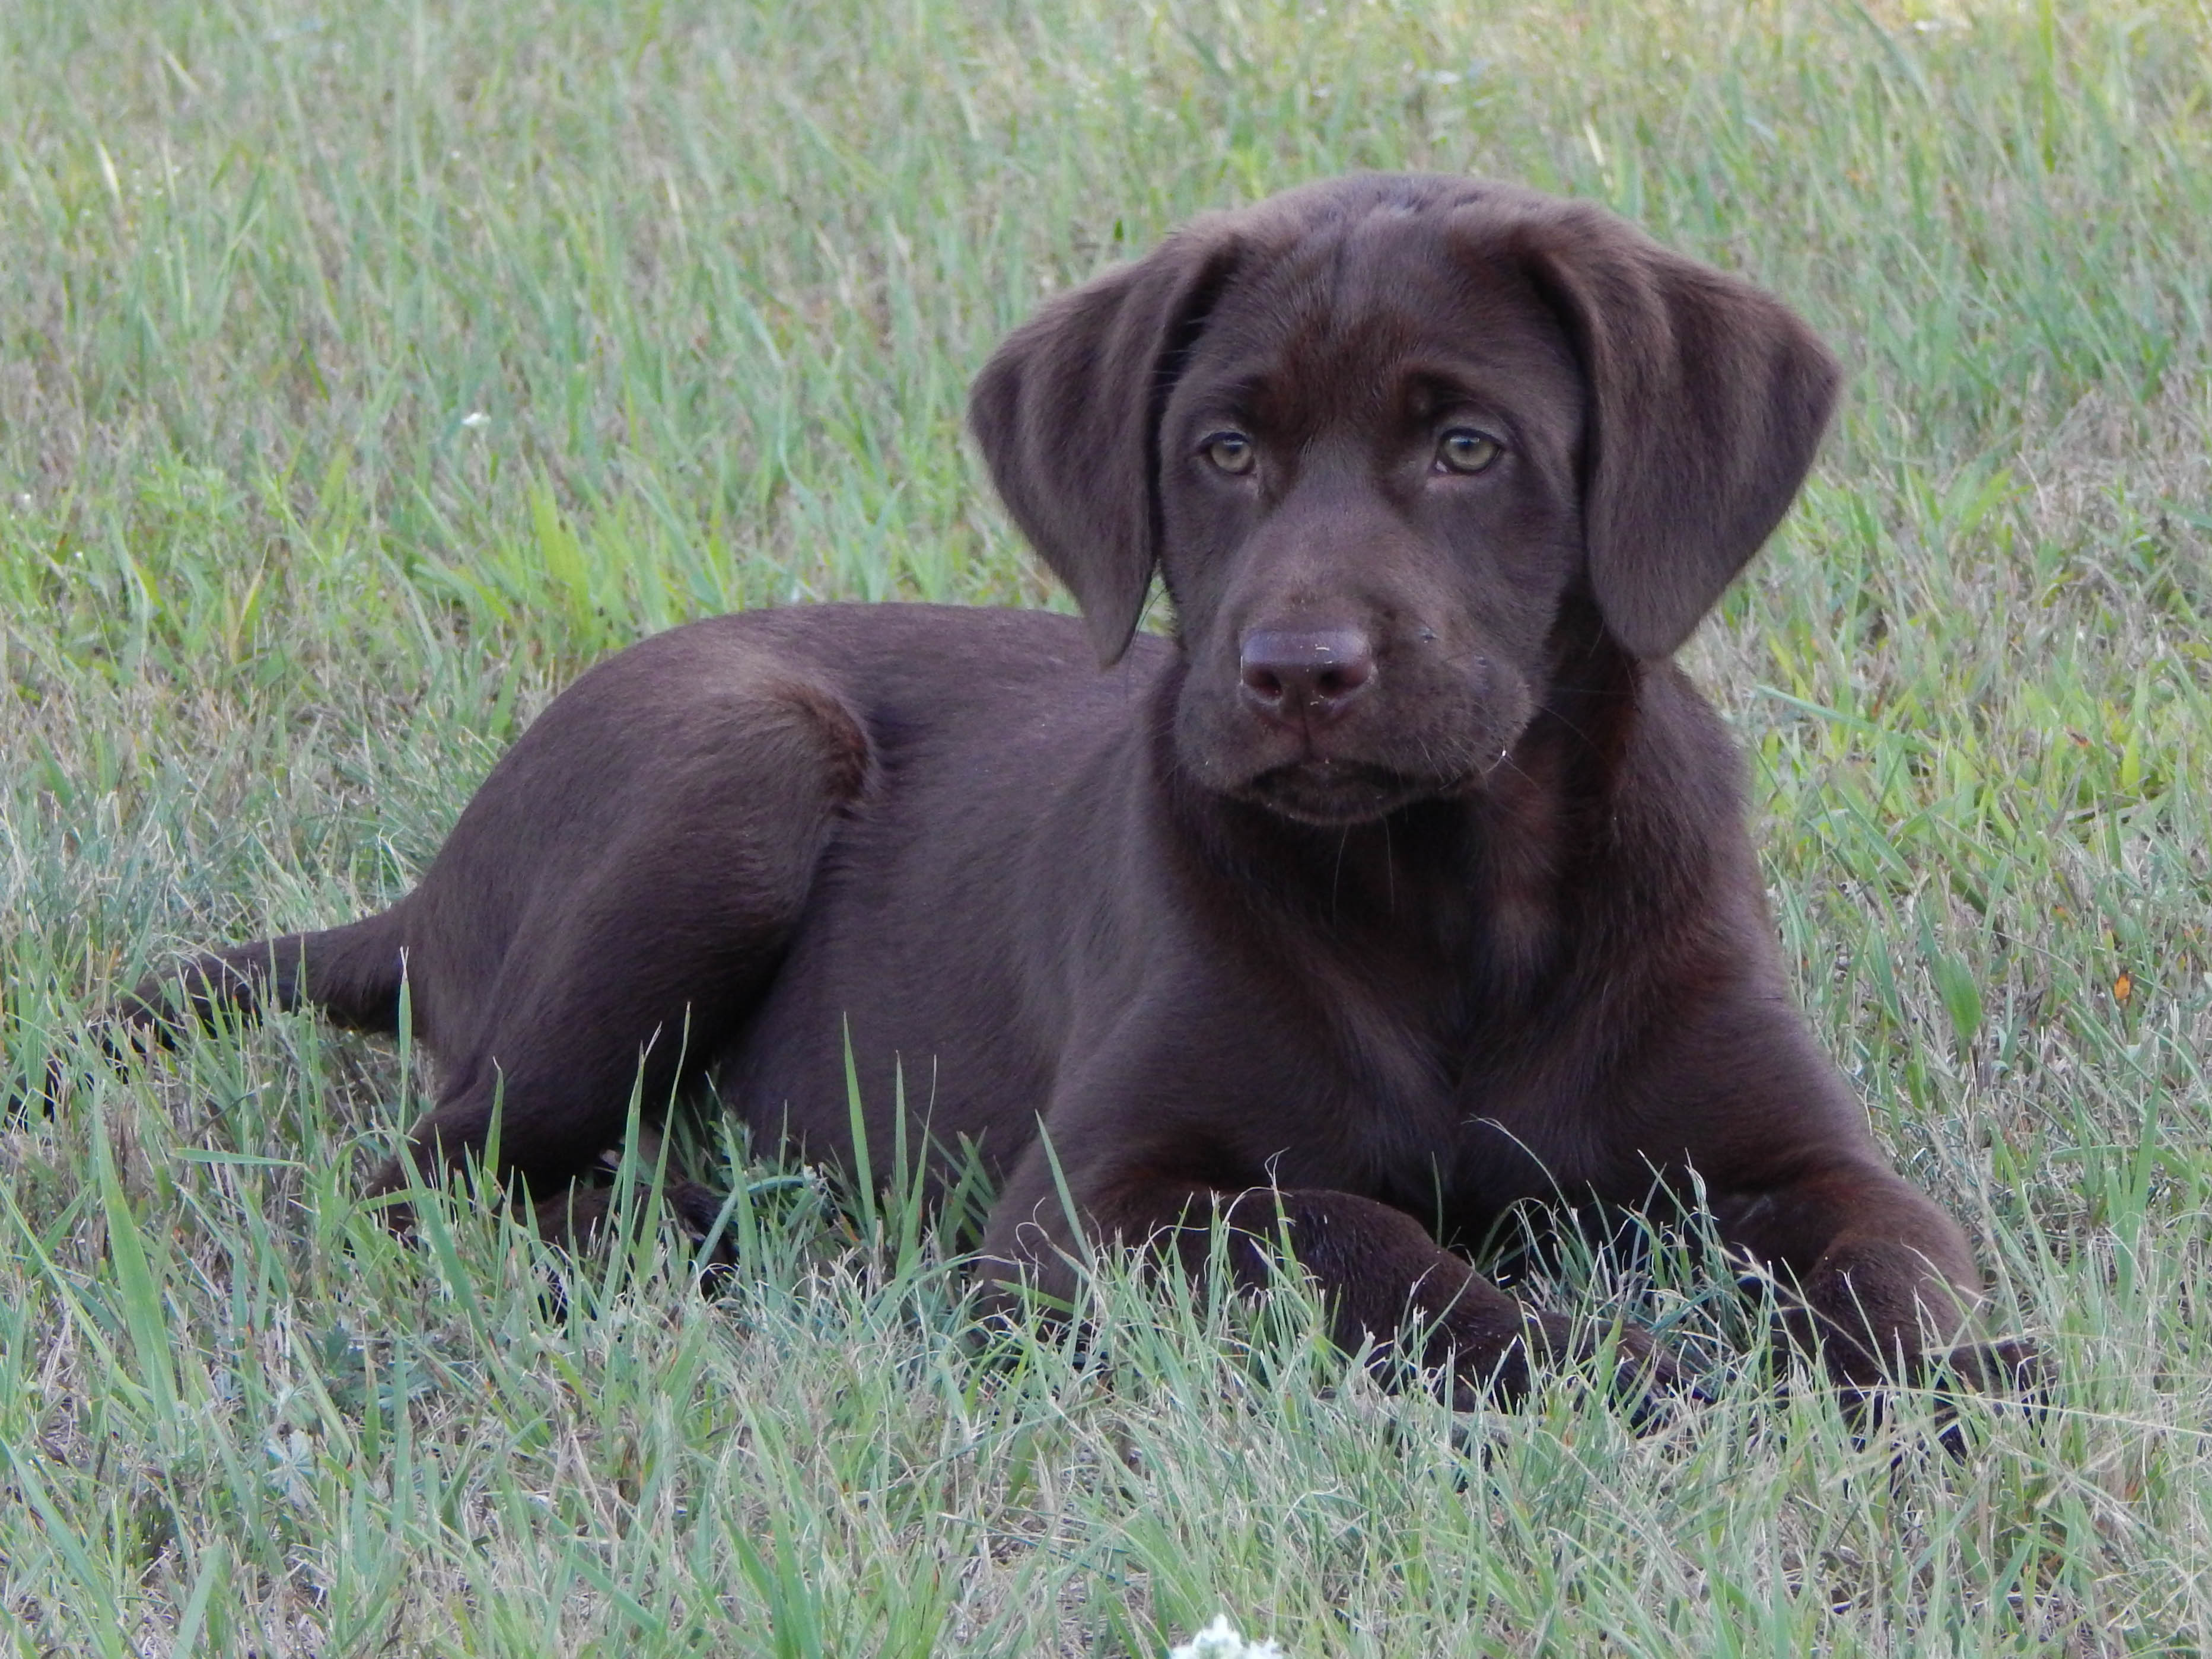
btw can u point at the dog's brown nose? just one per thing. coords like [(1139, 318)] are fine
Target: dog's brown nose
[(1305, 674)]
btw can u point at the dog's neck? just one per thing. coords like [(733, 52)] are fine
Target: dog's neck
[(1477, 884)]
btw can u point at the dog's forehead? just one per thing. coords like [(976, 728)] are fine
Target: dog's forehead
[(1358, 304)]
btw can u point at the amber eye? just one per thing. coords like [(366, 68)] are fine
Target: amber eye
[(1229, 452), (1463, 449)]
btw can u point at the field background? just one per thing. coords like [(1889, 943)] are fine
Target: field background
[(365, 370)]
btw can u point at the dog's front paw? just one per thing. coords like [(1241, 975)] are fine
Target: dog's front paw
[(702, 1213), (1650, 1382), (2012, 1367), (2009, 1373), (1645, 1377)]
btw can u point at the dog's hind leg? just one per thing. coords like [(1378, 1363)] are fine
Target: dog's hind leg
[(667, 874)]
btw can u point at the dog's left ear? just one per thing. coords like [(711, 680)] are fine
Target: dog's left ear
[(1067, 413), (1708, 398)]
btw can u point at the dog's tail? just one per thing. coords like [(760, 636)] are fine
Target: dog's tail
[(353, 974)]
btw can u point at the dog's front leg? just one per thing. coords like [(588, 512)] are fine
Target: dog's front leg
[(1389, 1288), (1882, 1277)]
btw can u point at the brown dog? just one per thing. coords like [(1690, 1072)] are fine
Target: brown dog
[(1409, 880)]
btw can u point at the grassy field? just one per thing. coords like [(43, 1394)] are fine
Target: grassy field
[(365, 371)]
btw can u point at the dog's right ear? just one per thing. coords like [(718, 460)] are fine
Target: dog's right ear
[(1067, 413)]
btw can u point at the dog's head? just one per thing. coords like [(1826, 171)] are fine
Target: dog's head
[(1373, 434)]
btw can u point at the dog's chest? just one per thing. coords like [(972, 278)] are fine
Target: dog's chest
[(1439, 1102)]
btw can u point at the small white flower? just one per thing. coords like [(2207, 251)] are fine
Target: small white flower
[(1220, 1640), (475, 418)]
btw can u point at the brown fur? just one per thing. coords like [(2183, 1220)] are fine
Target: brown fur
[(1409, 880)]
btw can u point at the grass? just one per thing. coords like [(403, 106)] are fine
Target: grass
[(366, 371)]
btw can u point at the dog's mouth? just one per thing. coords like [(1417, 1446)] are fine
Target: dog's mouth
[(1334, 793)]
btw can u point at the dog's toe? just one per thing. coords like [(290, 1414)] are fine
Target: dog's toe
[(702, 1213)]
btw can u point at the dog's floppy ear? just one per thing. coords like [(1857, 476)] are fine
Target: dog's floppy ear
[(1067, 413), (1708, 398)]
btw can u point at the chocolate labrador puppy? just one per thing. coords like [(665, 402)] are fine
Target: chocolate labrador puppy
[(1408, 881)]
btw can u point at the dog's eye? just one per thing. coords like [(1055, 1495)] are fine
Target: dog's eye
[(1463, 449), (1229, 452)]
